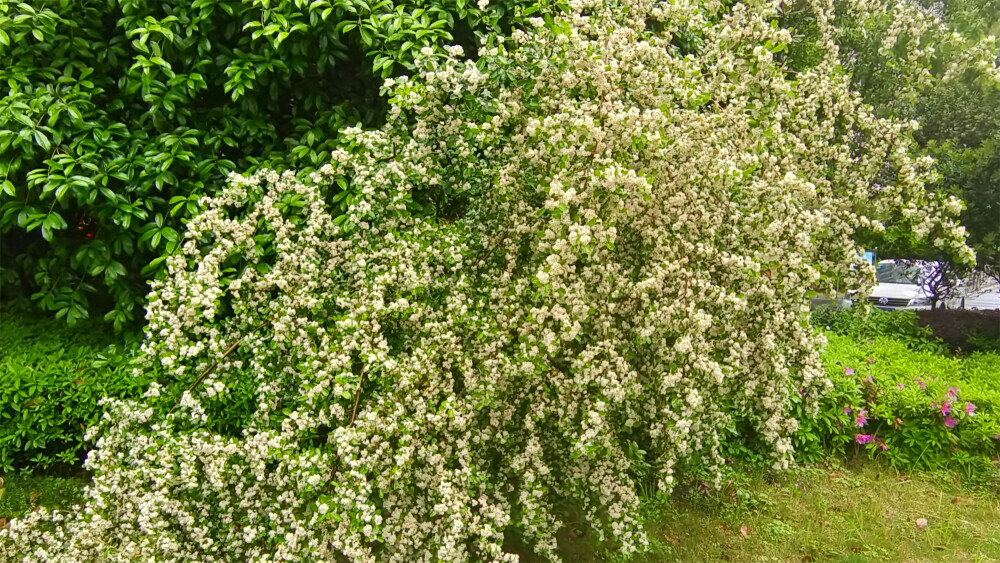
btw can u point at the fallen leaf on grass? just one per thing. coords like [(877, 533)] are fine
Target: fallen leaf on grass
[(826, 523), (671, 540), (921, 523), (956, 500), (745, 531)]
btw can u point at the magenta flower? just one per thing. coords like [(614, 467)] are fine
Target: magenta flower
[(970, 409), (847, 410), (848, 371), (862, 418), (863, 438), (946, 408), (900, 385), (920, 383), (884, 446), (950, 422), (953, 392)]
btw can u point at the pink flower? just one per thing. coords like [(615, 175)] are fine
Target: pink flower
[(920, 383), (946, 408), (847, 410), (970, 409), (863, 438), (950, 422), (862, 418), (870, 361), (953, 392), (884, 446), (848, 371), (900, 385)]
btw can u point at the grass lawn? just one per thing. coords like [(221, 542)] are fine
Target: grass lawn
[(862, 514)]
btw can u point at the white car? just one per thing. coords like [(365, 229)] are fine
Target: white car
[(898, 286)]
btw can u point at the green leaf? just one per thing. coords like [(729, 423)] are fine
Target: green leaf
[(42, 140)]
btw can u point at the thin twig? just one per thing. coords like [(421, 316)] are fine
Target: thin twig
[(335, 466), (208, 370), (357, 397)]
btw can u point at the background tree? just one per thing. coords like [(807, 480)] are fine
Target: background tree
[(942, 73)]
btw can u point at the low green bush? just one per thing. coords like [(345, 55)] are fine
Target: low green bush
[(869, 322), (53, 377), (912, 408), (51, 381)]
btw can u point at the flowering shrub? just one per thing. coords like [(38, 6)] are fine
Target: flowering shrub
[(559, 270), (915, 409)]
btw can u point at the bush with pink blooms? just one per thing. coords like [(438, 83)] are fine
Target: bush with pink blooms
[(912, 408)]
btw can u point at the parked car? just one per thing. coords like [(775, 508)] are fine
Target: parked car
[(899, 286)]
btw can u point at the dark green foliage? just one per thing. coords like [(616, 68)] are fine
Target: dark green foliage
[(909, 398), (964, 331), (116, 116)]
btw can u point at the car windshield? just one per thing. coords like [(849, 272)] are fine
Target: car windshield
[(897, 273)]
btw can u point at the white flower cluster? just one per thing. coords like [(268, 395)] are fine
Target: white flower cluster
[(622, 244)]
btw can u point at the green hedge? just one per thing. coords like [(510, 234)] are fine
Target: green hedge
[(869, 322), (52, 378)]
